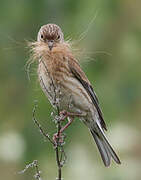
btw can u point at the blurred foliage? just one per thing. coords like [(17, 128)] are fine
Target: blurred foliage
[(112, 63)]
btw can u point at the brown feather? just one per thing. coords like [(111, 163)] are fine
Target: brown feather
[(80, 75)]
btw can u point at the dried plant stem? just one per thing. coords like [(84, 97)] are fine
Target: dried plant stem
[(46, 135), (57, 149), (58, 145), (58, 164), (35, 165)]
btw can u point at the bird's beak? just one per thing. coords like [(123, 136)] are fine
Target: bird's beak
[(50, 45)]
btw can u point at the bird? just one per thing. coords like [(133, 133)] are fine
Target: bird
[(68, 88)]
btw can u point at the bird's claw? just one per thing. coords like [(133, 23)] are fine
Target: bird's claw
[(63, 114), (58, 138)]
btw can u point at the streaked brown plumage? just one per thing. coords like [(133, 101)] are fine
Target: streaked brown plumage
[(66, 85)]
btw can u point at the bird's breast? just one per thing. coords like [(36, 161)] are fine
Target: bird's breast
[(51, 74), (61, 87)]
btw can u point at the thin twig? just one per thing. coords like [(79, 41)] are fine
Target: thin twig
[(31, 165), (63, 156), (57, 147), (46, 135), (37, 175)]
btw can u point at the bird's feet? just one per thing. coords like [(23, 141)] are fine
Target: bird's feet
[(58, 137)]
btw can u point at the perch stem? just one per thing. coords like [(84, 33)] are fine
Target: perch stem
[(57, 148)]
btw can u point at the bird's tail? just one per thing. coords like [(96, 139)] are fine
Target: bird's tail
[(105, 149)]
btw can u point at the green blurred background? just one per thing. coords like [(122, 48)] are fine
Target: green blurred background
[(112, 63)]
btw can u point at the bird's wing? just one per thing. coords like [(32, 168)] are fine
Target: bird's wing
[(80, 75)]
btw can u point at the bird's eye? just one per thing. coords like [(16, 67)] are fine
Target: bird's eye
[(42, 36), (58, 37)]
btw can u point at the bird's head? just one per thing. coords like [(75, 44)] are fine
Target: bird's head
[(50, 34)]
